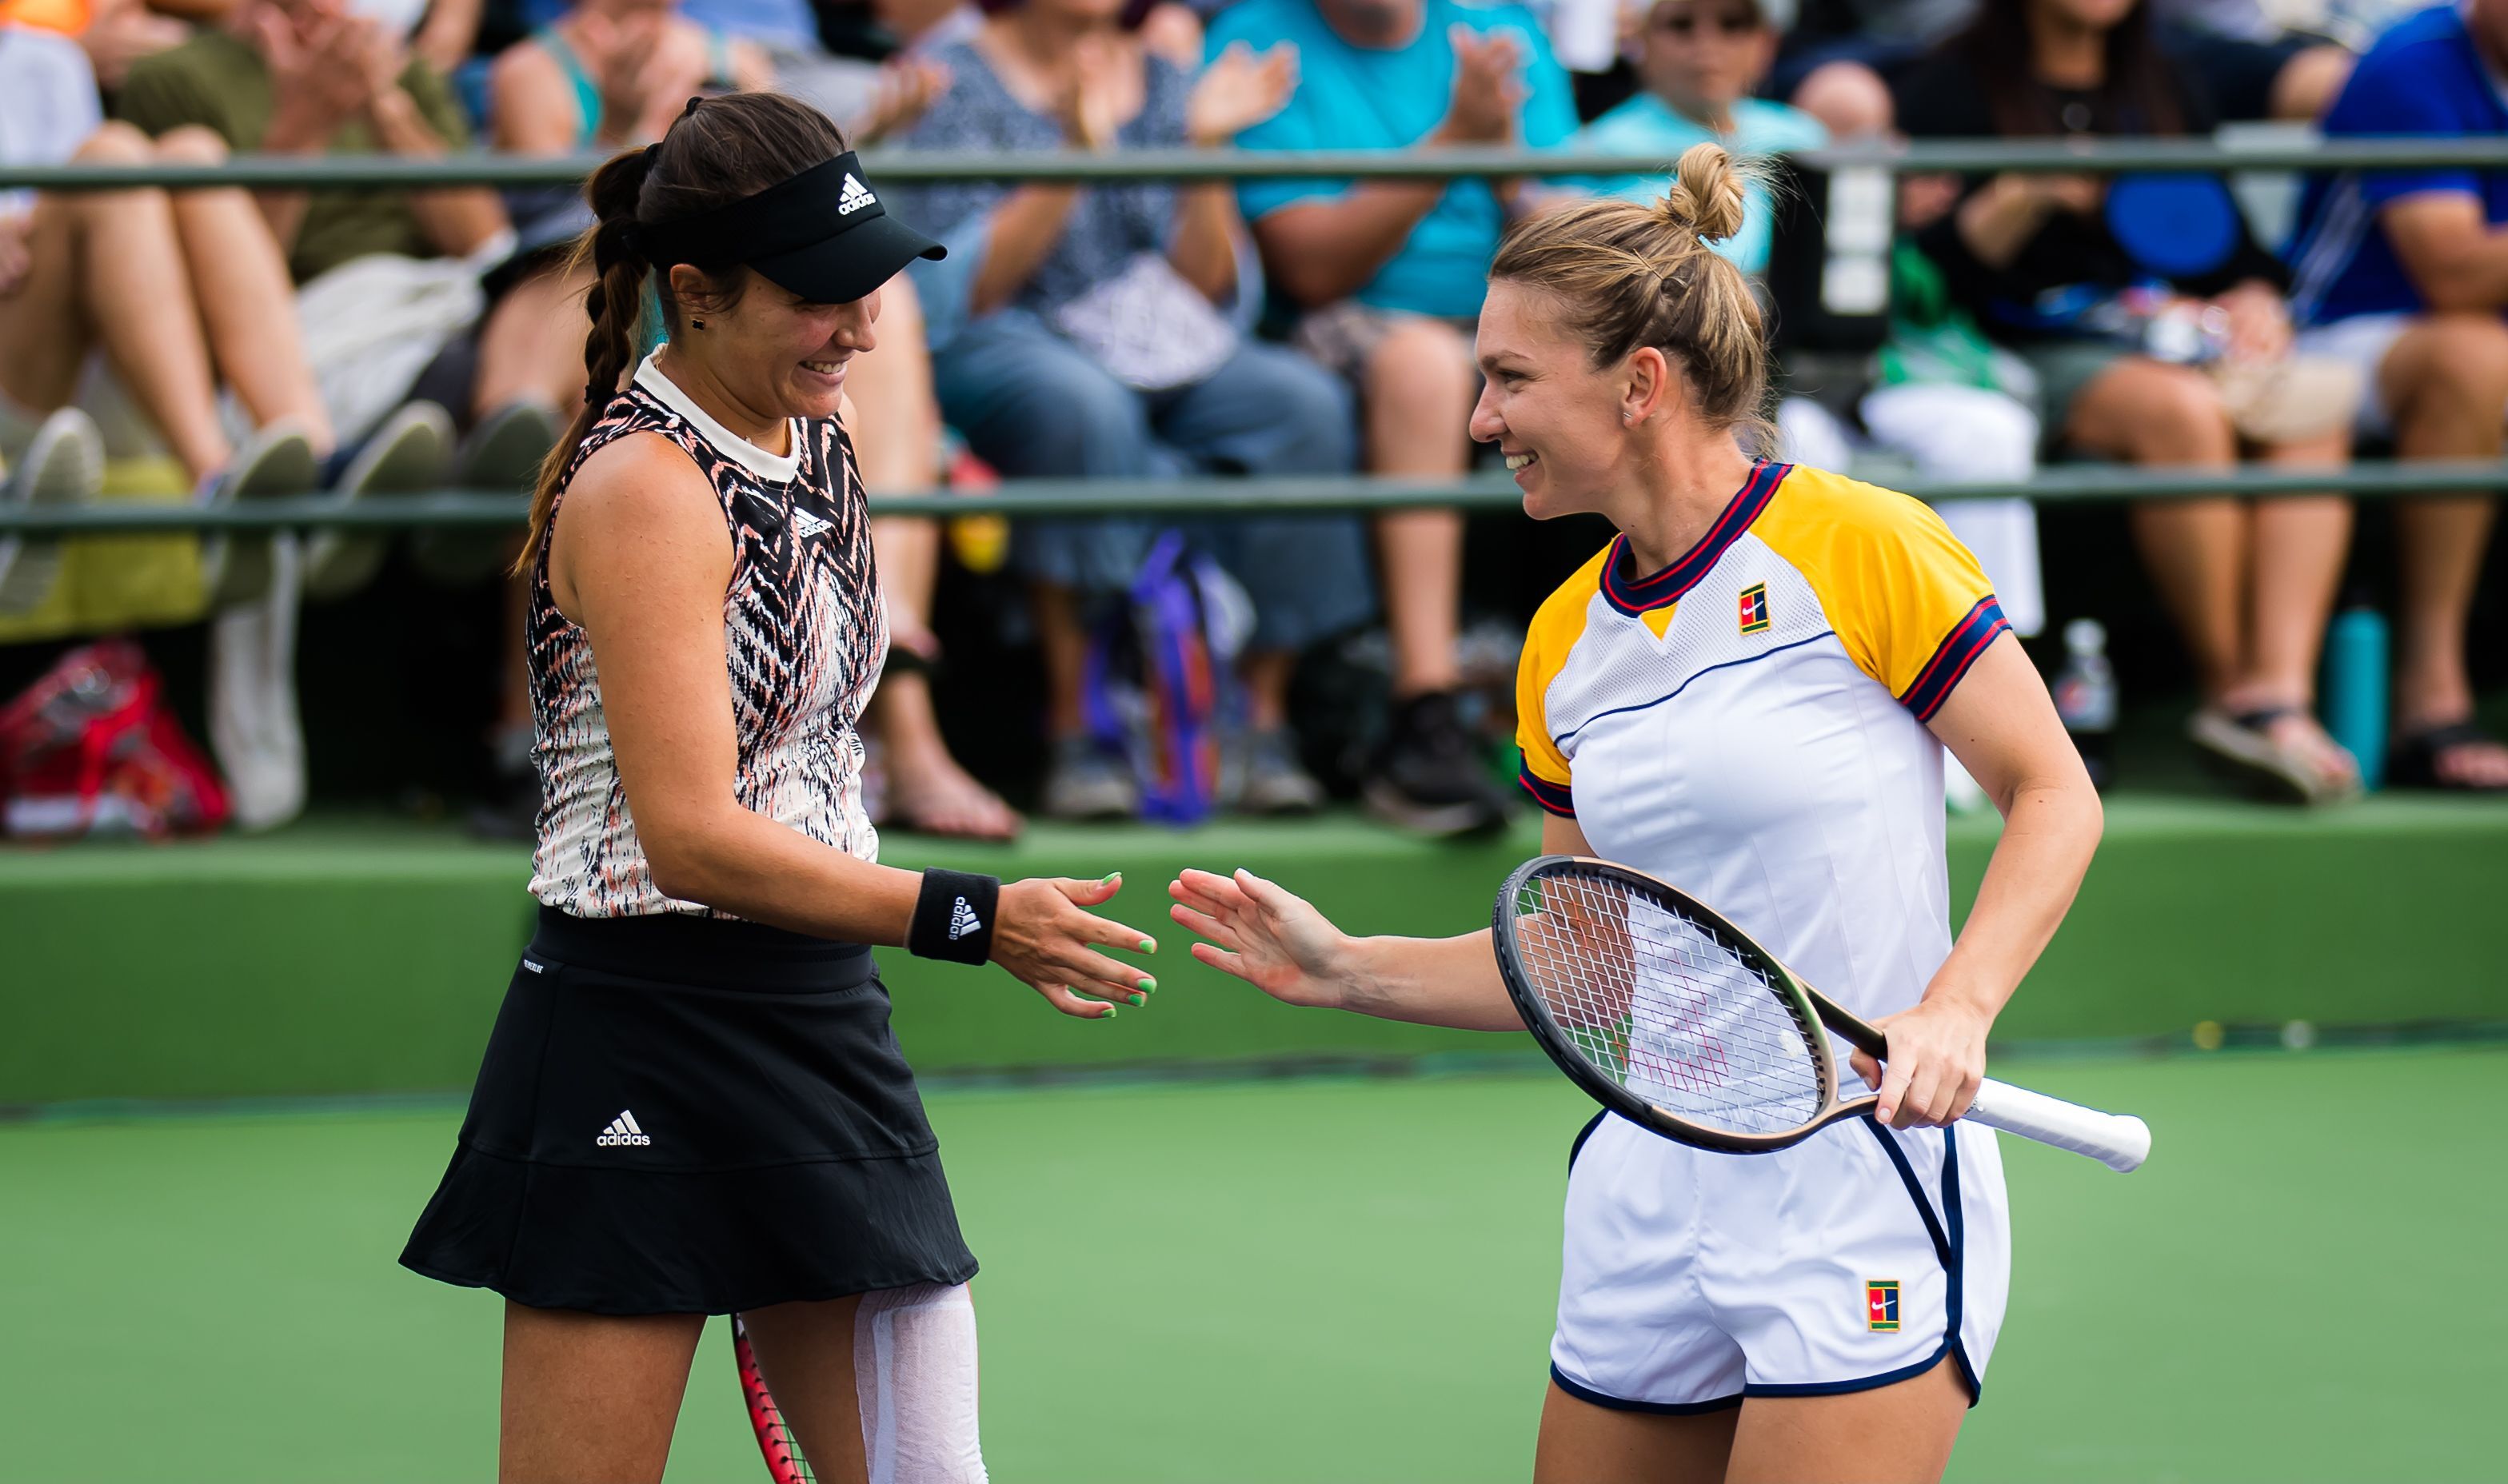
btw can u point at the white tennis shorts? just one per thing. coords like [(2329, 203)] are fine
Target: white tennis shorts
[(1858, 1257)]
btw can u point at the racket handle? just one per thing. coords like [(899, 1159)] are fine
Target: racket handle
[(2119, 1141)]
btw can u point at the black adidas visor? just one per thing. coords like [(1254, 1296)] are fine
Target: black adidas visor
[(822, 234)]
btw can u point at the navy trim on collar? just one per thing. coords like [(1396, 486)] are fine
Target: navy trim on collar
[(1632, 596)]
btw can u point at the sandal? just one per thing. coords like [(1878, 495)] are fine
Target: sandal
[(2243, 744), (2412, 759)]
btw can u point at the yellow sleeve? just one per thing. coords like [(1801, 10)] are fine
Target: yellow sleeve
[(1555, 630), (1908, 601)]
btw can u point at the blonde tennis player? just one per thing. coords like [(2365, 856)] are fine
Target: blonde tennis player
[(1746, 693)]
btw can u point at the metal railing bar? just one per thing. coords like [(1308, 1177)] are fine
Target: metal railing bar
[(475, 508), (901, 168)]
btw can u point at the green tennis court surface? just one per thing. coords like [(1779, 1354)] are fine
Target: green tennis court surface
[(1320, 1279)]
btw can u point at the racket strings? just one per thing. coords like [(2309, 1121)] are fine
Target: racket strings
[(784, 1463), (1656, 1002)]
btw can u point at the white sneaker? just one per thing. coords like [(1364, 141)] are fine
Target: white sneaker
[(63, 465)]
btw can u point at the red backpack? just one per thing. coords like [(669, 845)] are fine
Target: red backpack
[(92, 750)]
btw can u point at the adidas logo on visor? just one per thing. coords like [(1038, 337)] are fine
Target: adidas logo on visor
[(855, 196), (622, 1131), (963, 920)]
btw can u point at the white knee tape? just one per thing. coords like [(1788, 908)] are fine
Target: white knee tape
[(914, 1374)]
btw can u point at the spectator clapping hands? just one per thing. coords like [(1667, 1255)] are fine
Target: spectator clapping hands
[(322, 72), (907, 86), (1488, 88), (646, 68), (1240, 88), (1104, 88)]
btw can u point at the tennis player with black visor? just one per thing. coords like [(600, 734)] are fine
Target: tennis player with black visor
[(691, 1102), (1745, 695)]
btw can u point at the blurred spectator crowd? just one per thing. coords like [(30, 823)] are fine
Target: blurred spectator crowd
[(377, 342)]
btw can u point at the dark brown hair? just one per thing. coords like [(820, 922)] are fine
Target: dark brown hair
[(718, 151), (1632, 276), (2137, 92)]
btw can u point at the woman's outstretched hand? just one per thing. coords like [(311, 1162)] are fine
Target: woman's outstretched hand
[(1050, 943), (1268, 937)]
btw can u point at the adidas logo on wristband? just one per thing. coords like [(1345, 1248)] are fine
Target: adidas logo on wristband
[(963, 920)]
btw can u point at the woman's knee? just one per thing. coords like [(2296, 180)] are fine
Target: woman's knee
[(192, 144), (2455, 361), (1066, 419), (115, 143), (1422, 367), (1309, 407), (2152, 411)]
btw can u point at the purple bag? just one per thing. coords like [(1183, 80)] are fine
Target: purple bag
[(1161, 686)]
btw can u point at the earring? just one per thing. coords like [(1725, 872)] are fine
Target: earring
[(696, 324)]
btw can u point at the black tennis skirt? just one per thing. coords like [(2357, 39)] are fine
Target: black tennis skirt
[(688, 1115)]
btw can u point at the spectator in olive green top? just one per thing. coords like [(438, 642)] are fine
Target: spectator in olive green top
[(387, 278)]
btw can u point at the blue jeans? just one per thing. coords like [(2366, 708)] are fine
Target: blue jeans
[(1033, 405)]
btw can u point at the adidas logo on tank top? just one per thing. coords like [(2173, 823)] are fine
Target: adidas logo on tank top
[(963, 920), (805, 524), (854, 198), (622, 1131)]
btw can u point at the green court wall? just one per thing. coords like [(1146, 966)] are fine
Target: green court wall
[(349, 956)]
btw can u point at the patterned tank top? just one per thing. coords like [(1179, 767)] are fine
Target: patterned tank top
[(804, 631)]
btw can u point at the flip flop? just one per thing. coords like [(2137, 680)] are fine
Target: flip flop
[(2242, 745), (404, 455), (63, 465), (2411, 761)]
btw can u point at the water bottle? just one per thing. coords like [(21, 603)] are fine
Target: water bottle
[(2355, 686), (2086, 693)]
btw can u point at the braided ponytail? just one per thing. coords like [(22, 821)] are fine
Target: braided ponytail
[(616, 302)]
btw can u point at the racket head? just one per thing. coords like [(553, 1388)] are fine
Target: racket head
[(1661, 1010), (784, 1463)]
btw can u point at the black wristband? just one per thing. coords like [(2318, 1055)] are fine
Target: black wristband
[(953, 918)]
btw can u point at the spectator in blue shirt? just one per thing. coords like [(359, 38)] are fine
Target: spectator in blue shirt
[(1098, 333), (1390, 276), (1699, 62), (2404, 274)]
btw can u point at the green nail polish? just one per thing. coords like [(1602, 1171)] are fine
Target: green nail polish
[(1149, 983), (1139, 1000), (1110, 1013), (1148, 946), (1110, 876)]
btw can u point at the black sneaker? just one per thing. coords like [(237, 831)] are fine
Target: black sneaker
[(1429, 775)]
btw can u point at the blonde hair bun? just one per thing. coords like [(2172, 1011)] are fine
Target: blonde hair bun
[(1706, 195)]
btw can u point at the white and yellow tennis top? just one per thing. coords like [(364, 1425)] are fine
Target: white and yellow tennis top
[(1748, 724)]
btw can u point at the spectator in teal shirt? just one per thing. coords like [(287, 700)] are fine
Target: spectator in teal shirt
[(1700, 61), (1381, 74), (1388, 275)]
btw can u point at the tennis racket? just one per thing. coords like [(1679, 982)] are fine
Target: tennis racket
[(784, 1461), (1671, 1017)]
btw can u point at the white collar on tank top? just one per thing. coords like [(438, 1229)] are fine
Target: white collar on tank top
[(779, 467)]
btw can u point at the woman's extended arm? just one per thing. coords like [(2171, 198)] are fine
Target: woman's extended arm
[(2003, 728), (1282, 946), (638, 558)]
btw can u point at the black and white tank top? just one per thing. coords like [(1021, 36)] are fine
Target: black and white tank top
[(803, 632)]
